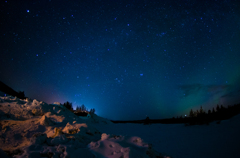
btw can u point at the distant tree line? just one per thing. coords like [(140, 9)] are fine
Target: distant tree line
[(80, 110), (215, 114), (198, 117)]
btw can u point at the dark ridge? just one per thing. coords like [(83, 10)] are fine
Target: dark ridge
[(8, 90)]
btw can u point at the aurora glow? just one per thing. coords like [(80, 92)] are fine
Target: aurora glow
[(126, 59)]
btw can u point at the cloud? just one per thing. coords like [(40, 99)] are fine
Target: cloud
[(230, 98), (196, 89), (232, 94)]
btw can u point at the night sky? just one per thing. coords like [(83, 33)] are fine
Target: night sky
[(127, 59)]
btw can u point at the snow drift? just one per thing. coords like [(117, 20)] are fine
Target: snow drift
[(31, 128)]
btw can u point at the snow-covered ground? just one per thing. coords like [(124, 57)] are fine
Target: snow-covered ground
[(180, 141), (31, 128)]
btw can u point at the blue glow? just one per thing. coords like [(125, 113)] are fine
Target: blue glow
[(160, 60)]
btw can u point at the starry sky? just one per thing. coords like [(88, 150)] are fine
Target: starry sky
[(128, 59)]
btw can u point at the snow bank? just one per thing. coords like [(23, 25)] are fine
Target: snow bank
[(32, 128), (120, 146)]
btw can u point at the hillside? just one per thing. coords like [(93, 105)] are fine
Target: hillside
[(8, 90)]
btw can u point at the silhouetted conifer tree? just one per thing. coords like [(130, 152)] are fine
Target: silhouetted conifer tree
[(218, 108), (191, 113), (92, 111), (197, 113), (78, 108), (213, 110), (222, 108), (147, 120), (201, 110), (83, 107), (209, 112), (68, 105)]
